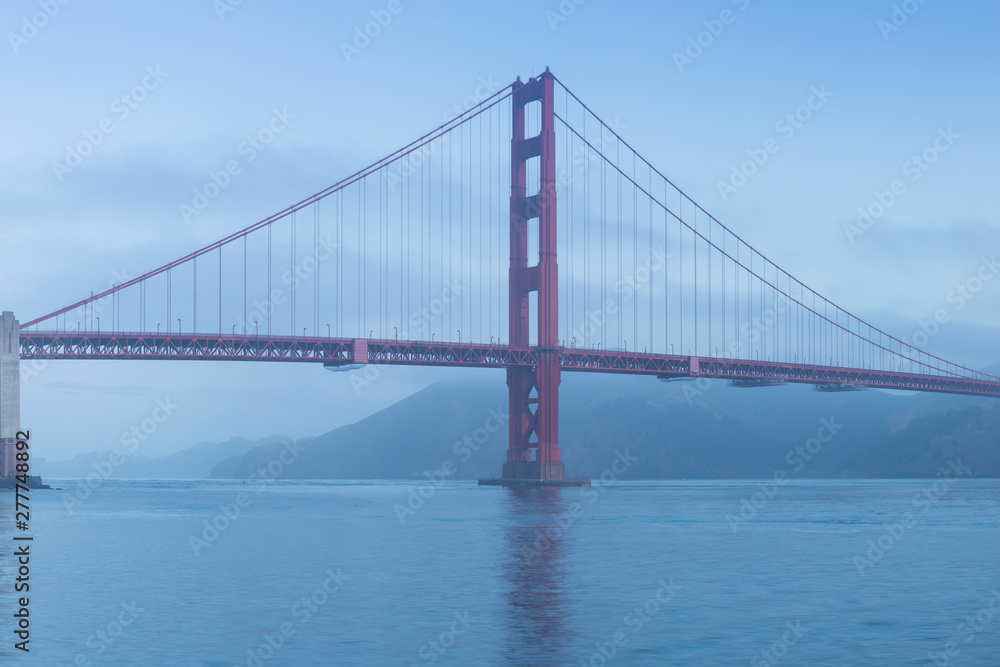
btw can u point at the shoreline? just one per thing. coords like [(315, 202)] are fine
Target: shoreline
[(34, 482)]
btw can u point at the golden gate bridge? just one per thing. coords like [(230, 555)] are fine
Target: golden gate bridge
[(444, 253)]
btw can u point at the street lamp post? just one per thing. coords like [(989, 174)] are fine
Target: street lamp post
[(98, 325)]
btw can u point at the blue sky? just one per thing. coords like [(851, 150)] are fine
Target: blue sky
[(222, 74)]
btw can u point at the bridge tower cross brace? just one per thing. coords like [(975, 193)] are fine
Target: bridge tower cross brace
[(533, 451)]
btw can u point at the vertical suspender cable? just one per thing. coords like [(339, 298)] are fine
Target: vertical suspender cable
[(620, 333), (316, 262), (220, 290), (244, 285), (270, 307), (680, 282), (409, 255), (381, 293), (461, 216), (635, 287), (489, 208)]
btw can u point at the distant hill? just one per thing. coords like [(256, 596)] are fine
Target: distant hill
[(930, 442), (401, 442), (703, 429), (193, 463), (682, 429)]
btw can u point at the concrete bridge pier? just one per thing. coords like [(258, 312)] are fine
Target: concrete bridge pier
[(10, 391)]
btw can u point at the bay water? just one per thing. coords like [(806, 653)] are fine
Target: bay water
[(806, 572)]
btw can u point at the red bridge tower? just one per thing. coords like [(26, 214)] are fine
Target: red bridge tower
[(533, 456)]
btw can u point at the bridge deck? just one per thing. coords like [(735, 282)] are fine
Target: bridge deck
[(346, 351)]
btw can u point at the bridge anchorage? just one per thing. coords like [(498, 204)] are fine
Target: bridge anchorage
[(416, 240), (10, 392)]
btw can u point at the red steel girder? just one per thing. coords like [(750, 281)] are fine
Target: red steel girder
[(340, 351)]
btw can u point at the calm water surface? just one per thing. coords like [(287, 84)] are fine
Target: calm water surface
[(368, 573)]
